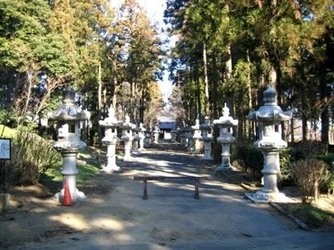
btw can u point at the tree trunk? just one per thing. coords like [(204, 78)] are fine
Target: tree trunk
[(206, 82), (99, 108)]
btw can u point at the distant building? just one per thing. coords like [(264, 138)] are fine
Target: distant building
[(166, 127)]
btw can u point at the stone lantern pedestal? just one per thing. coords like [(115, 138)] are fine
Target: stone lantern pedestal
[(196, 137), (110, 140), (225, 124), (206, 138), (269, 118), (127, 137), (69, 120)]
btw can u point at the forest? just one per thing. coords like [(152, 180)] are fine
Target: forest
[(226, 52), (230, 51)]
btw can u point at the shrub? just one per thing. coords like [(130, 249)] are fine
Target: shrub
[(31, 156), (288, 156), (251, 157), (309, 174), (329, 160)]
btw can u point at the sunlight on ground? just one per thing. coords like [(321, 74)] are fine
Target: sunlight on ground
[(107, 223), (78, 222)]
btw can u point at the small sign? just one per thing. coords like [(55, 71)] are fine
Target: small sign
[(5, 149)]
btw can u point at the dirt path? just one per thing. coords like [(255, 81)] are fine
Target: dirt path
[(114, 216)]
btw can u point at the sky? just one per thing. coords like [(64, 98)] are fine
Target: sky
[(155, 10)]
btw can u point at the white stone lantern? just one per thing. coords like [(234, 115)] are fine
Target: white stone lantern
[(173, 132), (189, 135), (183, 137), (110, 140), (69, 118), (225, 124), (269, 118), (156, 134), (135, 141), (141, 136), (206, 138), (196, 137), (127, 137)]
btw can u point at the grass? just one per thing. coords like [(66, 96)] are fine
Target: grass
[(85, 172), (312, 216), (6, 132)]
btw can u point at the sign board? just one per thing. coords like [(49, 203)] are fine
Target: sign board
[(5, 149)]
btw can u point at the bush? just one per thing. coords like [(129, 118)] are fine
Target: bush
[(309, 174), (329, 160), (31, 156), (288, 156), (251, 157)]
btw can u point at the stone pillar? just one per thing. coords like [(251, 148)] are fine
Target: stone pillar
[(269, 118)]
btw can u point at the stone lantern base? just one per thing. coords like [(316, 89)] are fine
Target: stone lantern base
[(69, 173), (262, 197)]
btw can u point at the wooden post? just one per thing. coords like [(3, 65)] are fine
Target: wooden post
[(196, 189), (145, 197)]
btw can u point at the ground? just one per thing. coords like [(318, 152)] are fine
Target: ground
[(36, 217)]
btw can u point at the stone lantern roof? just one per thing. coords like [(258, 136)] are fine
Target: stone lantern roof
[(69, 111), (270, 112), (226, 120)]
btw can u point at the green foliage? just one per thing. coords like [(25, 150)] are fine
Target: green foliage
[(252, 158), (6, 132), (31, 156), (288, 156), (86, 172), (312, 216)]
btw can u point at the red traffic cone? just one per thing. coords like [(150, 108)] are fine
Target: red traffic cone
[(67, 200)]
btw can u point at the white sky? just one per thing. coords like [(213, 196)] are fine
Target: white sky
[(155, 10)]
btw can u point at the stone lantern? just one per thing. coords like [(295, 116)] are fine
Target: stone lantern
[(183, 137), (196, 137), (206, 138), (173, 134), (127, 137), (225, 124), (189, 135), (156, 134), (135, 141), (110, 140), (269, 118), (70, 119), (141, 135), (147, 139)]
